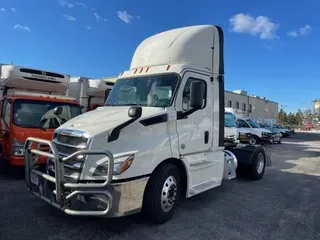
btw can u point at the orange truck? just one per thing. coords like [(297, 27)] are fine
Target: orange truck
[(33, 104), (91, 93)]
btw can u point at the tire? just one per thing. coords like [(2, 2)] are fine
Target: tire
[(255, 171), (4, 165), (157, 207), (279, 142), (255, 140)]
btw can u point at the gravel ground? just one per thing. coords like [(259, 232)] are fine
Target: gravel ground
[(283, 205)]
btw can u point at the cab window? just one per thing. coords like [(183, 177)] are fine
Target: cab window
[(242, 124)]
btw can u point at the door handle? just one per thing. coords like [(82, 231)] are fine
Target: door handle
[(206, 137)]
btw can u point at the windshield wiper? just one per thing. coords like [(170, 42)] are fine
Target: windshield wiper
[(27, 126)]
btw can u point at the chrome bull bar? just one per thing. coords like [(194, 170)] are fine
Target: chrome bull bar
[(59, 181)]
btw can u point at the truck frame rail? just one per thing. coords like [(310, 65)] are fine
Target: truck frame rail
[(64, 191)]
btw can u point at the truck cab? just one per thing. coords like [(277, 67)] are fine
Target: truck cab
[(32, 104), (159, 137), (259, 134), (90, 93)]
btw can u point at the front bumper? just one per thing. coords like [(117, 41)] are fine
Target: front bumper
[(267, 138), (94, 198), (245, 137)]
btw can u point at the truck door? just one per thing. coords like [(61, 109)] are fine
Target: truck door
[(195, 130), (197, 146)]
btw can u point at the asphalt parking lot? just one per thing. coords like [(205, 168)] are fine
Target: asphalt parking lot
[(285, 204)]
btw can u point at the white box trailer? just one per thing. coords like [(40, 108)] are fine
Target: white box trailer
[(160, 138), (32, 80), (90, 93)]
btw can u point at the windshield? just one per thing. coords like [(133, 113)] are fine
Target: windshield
[(40, 114), (150, 91), (229, 120), (252, 123)]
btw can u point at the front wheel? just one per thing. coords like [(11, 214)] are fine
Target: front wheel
[(254, 140), (162, 194)]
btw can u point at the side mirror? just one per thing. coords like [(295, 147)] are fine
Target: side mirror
[(57, 111), (197, 90), (135, 112)]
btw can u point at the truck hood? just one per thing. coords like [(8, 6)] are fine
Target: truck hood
[(106, 118)]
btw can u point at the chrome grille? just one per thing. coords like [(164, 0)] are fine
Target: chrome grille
[(68, 144)]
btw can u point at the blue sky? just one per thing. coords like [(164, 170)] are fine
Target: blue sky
[(271, 46)]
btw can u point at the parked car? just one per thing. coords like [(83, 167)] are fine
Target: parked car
[(309, 127), (259, 134), (285, 132), (291, 129), (276, 134)]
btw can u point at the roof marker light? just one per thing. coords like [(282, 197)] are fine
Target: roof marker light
[(121, 74), (135, 70), (168, 67), (141, 70), (147, 69)]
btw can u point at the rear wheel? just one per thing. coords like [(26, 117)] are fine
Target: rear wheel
[(162, 194), (256, 169), (279, 142)]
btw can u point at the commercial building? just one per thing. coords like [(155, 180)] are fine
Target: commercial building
[(251, 105)]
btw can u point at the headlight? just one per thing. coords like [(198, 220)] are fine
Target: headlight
[(17, 147), (121, 165)]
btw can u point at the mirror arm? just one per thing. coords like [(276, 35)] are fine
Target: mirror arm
[(187, 113)]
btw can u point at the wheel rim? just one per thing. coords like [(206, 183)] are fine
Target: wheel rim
[(253, 141), (169, 193), (260, 163)]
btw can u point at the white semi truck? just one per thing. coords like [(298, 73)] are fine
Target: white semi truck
[(160, 136), (90, 93)]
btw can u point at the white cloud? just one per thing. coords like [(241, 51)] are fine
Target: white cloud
[(292, 34), (93, 9), (138, 17), (99, 18), (65, 3), (2, 10), (69, 18), (262, 26), (303, 31), (125, 16), (81, 5), (88, 27), (25, 28), (13, 10)]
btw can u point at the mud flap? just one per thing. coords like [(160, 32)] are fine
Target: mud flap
[(268, 160)]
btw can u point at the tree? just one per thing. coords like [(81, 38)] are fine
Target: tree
[(308, 116), (291, 119), (282, 116), (299, 117)]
